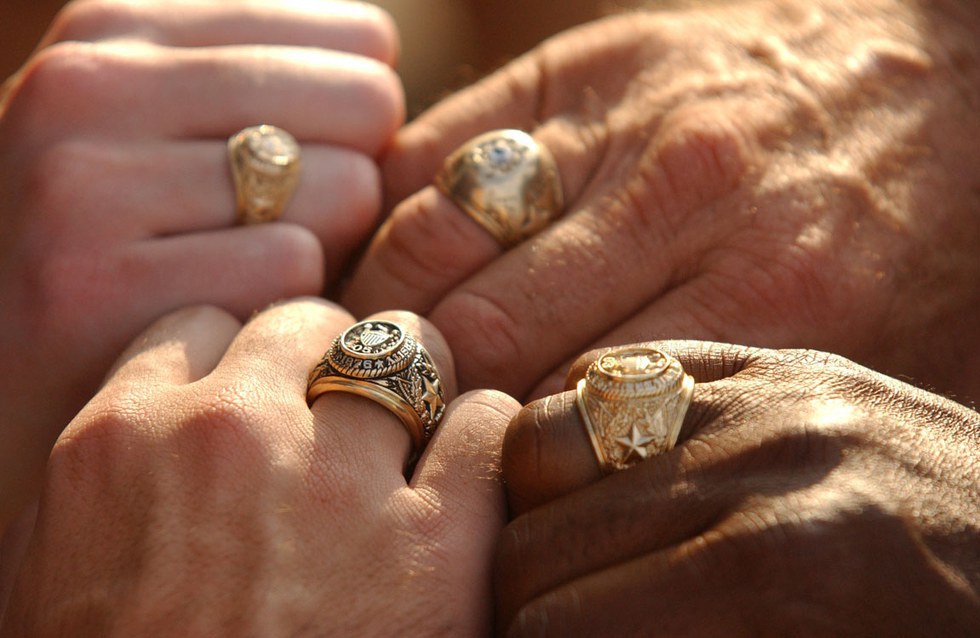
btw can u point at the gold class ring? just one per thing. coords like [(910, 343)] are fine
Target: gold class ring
[(265, 167), (632, 402), (506, 182), (380, 361)]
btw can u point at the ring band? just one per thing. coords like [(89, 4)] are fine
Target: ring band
[(506, 182), (380, 361), (632, 401), (265, 167)]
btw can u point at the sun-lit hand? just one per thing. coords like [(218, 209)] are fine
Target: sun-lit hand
[(783, 173), (116, 198)]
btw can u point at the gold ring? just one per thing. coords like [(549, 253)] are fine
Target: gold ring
[(632, 401), (380, 361), (506, 182), (265, 166)]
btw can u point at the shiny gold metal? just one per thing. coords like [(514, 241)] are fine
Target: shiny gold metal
[(506, 182), (632, 401), (378, 360), (265, 166)]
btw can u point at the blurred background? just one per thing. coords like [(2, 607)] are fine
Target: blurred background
[(446, 44)]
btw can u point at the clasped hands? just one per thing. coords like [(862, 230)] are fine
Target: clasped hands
[(247, 509)]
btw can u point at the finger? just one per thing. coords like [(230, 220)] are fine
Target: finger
[(353, 27), (177, 349), (281, 344), (421, 250), (557, 81), (624, 516), (464, 453), (505, 99), (710, 308), (319, 96), (649, 595), (635, 233), (240, 269), (168, 189), (459, 475), (547, 450), (428, 245), (695, 312), (360, 434), (706, 361)]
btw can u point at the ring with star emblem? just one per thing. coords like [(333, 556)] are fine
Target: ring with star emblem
[(380, 361), (506, 182), (632, 402)]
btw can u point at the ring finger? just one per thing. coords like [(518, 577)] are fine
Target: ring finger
[(165, 189), (358, 430), (547, 450)]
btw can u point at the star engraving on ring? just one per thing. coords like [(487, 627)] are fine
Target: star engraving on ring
[(431, 396), (635, 443)]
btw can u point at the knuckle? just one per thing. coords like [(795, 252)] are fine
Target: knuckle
[(87, 19), (409, 238), (522, 448), (60, 69), (556, 613), (103, 437), (69, 78), (512, 556), (699, 154), (225, 428), (54, 177), (486, 336)]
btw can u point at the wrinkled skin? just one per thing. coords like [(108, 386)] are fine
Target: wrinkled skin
[(116, 200), (808, 496), (783, 173), (198, 495)]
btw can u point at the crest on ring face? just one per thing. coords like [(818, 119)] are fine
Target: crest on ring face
[(373, 340), (374, 337), (499, 156), (634, 364)]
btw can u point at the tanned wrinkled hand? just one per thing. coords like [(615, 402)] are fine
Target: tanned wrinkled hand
[(785, 173), (808, 496)]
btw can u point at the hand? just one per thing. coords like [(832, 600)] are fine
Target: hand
[(783, 173), (198, 494), (810, 497), (116, 198)]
